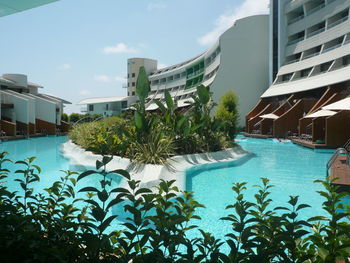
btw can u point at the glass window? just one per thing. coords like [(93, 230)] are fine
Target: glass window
[(91, 107), (133, 93), (133, 75), (133, 84)]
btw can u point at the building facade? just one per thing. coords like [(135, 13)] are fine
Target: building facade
[(26, 111), (239, 54), (309, 67)]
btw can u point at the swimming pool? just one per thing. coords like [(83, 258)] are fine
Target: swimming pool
[(292, 169)]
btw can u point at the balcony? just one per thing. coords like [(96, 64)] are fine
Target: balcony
[(337, 22), (295, 41), (315, 9), (316, 32), (292, 21)]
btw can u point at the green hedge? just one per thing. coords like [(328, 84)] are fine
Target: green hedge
[(51, 225)]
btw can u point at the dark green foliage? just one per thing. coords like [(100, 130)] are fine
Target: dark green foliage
[(64, 117), (153, 137), (49, 227)]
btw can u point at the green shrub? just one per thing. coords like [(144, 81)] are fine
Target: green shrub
[(156, 149), (49, 227), (64, 117), (227, 112)]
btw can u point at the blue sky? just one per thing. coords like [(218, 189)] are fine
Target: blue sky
[(78, 48)]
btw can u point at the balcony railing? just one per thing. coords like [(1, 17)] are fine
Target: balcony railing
[(337, 22), (316, 9), (316, 32), (292, 61), (331, 48), (295, 41), (295, 19), (311, 55)]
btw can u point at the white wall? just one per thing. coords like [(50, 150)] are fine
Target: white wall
[(20, 111), (244, 66), (44, 109), (31, 104)]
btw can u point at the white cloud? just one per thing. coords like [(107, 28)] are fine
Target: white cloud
[(120, 79), (119, 48), (65, 66), (223, 22), (102, 78), (162, 65), (84, 92), (156, 5)]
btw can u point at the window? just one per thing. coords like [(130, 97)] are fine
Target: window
[(133, 93), (133, 84), (346, 60), (106, 106), (124, 104), (128, 93), (133, 75), (128, 84), (91, 107), (128, 75)]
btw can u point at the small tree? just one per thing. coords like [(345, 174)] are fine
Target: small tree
[(64, 117), (227, 112)]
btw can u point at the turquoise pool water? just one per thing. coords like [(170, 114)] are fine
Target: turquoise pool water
[(292, 169), (48, 157)]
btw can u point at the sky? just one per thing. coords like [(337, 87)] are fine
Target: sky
[(78, 49)]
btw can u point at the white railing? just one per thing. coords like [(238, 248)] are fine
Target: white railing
[(337, 22), (295, 41), (295, 19), (316, 9), (316, 32)]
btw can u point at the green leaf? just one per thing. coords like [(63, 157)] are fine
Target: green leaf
[(142, 85), (88, 189), (98, 213), (160, 105), (102, 195), (139, 122), (169, 100), (86, 173), (122, 172), (203, 94), (106, 223), (113, 202)]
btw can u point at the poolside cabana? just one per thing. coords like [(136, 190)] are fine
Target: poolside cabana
[(329, 126)]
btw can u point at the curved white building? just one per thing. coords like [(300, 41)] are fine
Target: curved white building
[(313, 45), (237, 61), (309, 66)]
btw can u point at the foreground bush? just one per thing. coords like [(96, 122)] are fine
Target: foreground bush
[(54, 226)]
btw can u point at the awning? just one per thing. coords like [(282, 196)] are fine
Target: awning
[(269, 116), (321, 113), (339, 105)]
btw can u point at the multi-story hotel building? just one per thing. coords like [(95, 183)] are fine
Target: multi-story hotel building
[(309, 69), (237, 61), (26, 111)]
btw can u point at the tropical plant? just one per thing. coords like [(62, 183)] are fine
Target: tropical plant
[(154, 223), (227, 112)]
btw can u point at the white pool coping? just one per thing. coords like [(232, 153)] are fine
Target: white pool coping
[(150, 175)]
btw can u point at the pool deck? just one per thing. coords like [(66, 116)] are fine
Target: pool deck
[(341, 170), (311, 145), (19, 137), (254, 135)]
